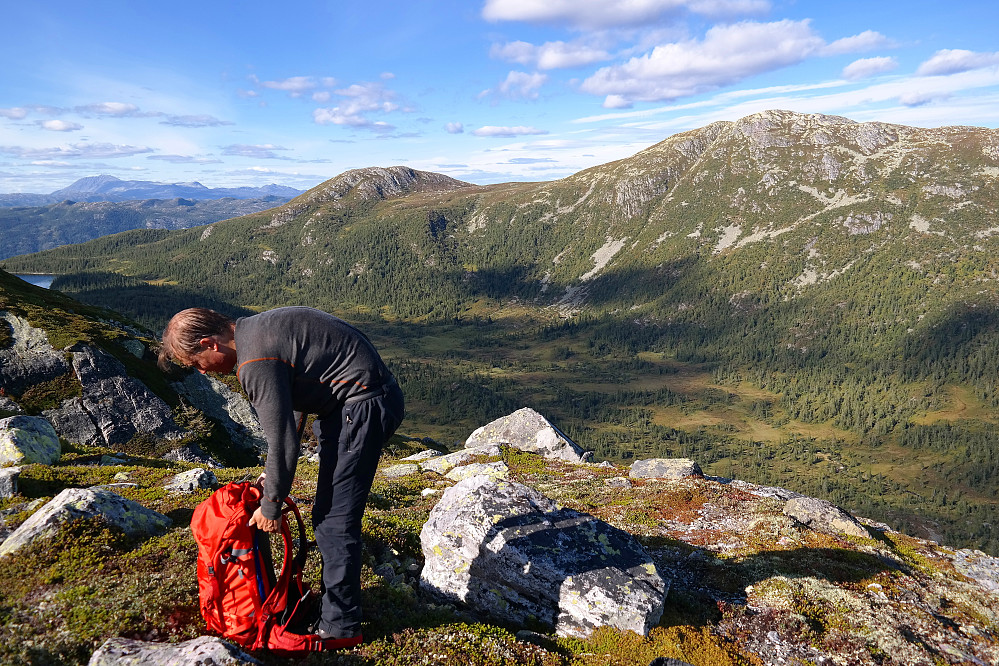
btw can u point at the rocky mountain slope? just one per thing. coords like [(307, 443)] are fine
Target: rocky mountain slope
[(807, 293)]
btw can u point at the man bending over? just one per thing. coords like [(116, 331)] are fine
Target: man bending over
[(295, 361)]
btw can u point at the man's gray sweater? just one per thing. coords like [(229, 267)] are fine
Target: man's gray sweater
[(294, 361)]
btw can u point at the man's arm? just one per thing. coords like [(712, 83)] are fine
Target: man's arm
[(268, 384)]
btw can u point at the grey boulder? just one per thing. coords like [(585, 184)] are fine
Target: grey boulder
[(30, 360), (665, 468), (192, 480), (198, 651), (511, 553), (28, 439), (77, 503), (8, 481), (823, 516), (113, 406), (527, 430)]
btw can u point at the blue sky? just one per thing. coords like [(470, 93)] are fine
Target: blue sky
[(249, 93)]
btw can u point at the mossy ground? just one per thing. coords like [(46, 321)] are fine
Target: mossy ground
[(738, 569)]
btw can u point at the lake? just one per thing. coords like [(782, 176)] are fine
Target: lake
[(39, 280)]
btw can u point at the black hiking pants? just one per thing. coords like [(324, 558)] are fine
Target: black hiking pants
[(350, 444)]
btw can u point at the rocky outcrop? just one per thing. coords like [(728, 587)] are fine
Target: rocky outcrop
[(30, 360), (444, 464), (76, 503), (664, 468), (201, 651), (509, 552), (192, 480), (113, 406), (823, 516), (28, 439), (527, 430), (229, 409)]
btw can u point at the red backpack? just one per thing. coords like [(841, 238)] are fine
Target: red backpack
[(241, 598)]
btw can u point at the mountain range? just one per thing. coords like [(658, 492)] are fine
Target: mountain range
[(794, 299), (102, 205), (110, 188)]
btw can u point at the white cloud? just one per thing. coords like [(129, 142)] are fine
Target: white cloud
[(551, 55), (865, 67), (360, 100), (259, 152), (864, 41), (195, 121), (295, 86), (953, 61), (605, 14), (15, 113), (726, 55), (518, 85), (59, 125), (116, 109), (184, 159), (507, 132), (76, 150), (617, 102), (454, 128)]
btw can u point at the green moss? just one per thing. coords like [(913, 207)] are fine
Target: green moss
[(50, 394), (390, 532), (695, 645), (471, 644)]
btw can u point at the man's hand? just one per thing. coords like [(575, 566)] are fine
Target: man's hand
[(265, 524)]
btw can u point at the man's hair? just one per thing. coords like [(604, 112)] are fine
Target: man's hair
[(182, 335)]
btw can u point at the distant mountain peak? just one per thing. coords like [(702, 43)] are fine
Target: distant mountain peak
[(383, 183)]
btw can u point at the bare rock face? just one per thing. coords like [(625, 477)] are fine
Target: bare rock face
[(28, 439), (823, 516), (113, 407), (30, 359), (527, 430), (509, 552), (204, 650), (76, 503), (231, 410)]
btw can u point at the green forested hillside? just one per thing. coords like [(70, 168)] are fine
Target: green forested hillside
[(796, 300)]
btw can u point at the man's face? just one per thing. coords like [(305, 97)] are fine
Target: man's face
[(215, 356)]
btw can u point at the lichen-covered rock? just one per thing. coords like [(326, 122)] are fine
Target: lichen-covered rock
[(28, 439), (979, 567), (494, 470), (76, 503), (426, 454), (395, 471), (231, 410), (8, 481), (30, 360), (510, 552), (191, 480), (664, 468), (444, 464), (198, 651), (823, 516), (113, 407), (527, 430)]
